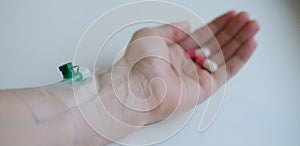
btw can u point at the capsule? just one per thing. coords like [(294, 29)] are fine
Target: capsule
[(202, 61), (193, 53)]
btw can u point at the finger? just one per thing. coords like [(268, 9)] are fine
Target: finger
[(174, 32), (229, 31), (235, 63), (205, 33), (247, 32)]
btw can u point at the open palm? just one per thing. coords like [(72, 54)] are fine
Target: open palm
[(166, 75)]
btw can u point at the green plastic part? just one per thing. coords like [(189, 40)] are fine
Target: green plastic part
[(78, 77), (67, 70)]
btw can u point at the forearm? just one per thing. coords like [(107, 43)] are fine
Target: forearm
[(22, 121), (19, 126)]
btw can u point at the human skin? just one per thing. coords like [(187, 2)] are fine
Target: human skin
[(153, 80)]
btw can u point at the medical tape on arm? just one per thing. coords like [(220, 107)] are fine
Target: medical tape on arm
[(50, 101)]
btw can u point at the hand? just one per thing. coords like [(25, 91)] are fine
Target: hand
[(161, 75)]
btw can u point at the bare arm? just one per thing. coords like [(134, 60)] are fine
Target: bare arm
[(135, 92), (23, 123)]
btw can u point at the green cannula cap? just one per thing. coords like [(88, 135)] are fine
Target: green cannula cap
[(67, 70)]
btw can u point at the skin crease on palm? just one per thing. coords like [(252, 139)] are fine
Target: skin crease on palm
[(174, 79)]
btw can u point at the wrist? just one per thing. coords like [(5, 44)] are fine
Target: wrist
[(144, 91), (118, 90), (111, 101)]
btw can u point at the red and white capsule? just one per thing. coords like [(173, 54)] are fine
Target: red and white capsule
[(202, 61), (193, 53)]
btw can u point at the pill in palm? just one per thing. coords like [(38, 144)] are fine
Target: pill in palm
[(193, 53), (202, 61)]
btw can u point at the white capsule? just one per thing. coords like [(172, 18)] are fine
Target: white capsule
[(210, 65), (203, 52)]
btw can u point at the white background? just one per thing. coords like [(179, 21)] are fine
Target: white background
[(262, 103)]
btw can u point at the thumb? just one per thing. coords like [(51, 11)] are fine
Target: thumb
[(175, 32)]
